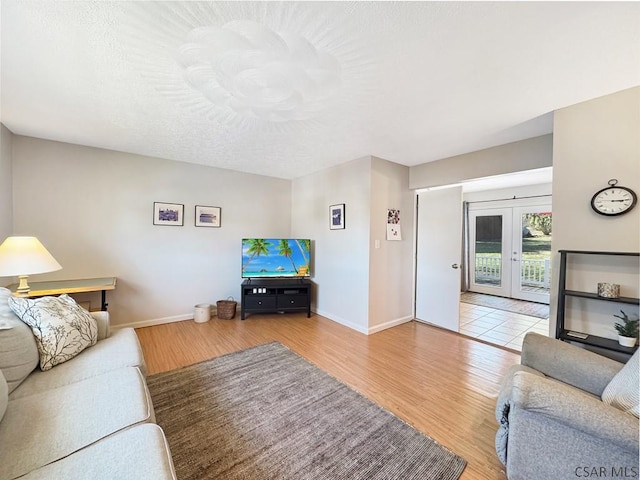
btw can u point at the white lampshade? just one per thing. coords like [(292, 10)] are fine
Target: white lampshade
[(22, 256)]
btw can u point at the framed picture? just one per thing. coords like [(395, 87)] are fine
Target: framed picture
[(168, 214), (207, 216), (336, 216), (394, 231)]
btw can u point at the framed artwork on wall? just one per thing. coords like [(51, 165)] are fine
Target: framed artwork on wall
[(336, 217), (207, 216), (168, 214), (394, 232)]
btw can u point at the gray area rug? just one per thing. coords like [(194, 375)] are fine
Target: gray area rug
[(267, 413), (532, 309)]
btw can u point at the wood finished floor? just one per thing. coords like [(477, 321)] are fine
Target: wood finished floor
[(443, 384)]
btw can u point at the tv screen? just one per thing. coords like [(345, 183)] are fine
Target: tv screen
[(276, 257)]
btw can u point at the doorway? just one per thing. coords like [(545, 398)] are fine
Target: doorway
[(442, 259), (510, 251)]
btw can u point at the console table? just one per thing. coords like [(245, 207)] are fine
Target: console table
[(275, 295), (58, 287)]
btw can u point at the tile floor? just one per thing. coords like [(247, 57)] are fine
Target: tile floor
[(498, 326)]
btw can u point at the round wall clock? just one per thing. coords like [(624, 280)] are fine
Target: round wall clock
[(613, 200)]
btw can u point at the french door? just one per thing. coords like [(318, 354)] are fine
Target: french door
[(510, 251)]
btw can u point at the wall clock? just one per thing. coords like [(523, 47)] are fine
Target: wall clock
[(613, 200)]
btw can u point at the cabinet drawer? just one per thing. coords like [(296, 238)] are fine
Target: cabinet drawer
[(259, 301), (292, 301)]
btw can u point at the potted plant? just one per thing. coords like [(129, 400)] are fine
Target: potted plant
[(627, 330)]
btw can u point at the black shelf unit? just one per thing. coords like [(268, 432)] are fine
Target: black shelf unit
[(592, 340), (275, 295)]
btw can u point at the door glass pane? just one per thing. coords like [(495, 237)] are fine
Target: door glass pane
[(535, 262), (488, 242)]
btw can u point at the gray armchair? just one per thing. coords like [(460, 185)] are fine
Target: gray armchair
[(553, 423)]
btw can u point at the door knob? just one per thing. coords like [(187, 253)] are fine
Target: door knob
[(455, 265)]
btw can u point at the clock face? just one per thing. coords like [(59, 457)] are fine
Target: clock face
[(613, 200)]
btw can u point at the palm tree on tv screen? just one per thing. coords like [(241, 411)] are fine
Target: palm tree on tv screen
[(257, 247), (304, 246), (285, 250)]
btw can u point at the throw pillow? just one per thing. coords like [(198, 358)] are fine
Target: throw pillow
[(622, 391), (62, 327), (18, 350)]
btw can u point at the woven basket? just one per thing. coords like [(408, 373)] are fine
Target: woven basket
[(226, 308)]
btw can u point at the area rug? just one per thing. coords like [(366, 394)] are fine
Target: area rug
[(532, 309), (267, 413)]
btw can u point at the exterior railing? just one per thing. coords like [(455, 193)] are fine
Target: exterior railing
[(535, 273)]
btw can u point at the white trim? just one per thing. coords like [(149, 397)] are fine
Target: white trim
[(189, 316), (366, 331), (154, 321), (392, 323), (342, 321)]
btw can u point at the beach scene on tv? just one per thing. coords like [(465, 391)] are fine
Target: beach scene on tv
[(275, 257)]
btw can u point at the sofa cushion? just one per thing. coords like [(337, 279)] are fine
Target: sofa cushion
[(43, 428), (133, 454), (4, 395), (622, 392), (121, 349), (18, 350), (62, 327)]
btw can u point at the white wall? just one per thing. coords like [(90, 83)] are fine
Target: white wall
[(340, 267), (509, 158), (391, 265), (544, 189), (6, 186), (595, 141), (365, 288), (92, 209)]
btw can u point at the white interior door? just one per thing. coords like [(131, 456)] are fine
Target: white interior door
[(438, 254)]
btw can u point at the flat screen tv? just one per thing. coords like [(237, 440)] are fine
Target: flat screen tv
[(276, 257)]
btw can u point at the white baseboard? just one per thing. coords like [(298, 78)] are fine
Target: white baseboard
[(366, 331), (154, 321), (389, 324), (333, 318), (342, 321)]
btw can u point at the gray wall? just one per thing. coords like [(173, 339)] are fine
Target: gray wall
[(390, 265), (595, 141), (6, 185), (92, 209), (509, 158), (341, 265), (358, 285)]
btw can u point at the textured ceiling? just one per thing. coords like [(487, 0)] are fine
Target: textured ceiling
[(285, 89)]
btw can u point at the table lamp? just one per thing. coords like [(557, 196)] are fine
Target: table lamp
[(24, 256)]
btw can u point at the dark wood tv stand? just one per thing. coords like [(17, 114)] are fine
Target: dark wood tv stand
[(275, 295)]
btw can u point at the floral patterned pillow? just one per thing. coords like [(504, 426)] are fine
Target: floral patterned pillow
[(62, 328)]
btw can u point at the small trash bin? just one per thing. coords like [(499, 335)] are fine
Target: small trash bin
[(202, 313)]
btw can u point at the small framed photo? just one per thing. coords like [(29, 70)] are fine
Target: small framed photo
[(168, 214), (207, 216), (336, 216)]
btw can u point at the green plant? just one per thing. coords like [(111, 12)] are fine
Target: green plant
[(628, 327)]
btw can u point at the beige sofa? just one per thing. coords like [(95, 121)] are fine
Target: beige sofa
[(89, 417)]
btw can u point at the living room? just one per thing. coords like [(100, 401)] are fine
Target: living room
[(103, 200), (92, 207)]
